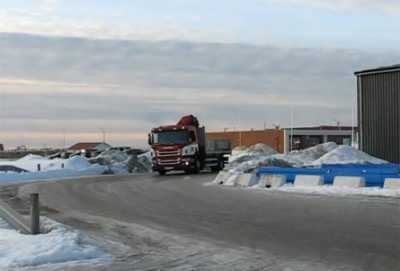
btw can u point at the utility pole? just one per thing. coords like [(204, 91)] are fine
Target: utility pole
[(291, 129), (64, 139), (104, 134)]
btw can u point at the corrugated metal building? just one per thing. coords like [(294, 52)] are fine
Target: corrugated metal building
[(378, 112)]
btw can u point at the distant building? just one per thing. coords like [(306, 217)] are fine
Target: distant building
[(287, 139), (300, 138), (379, 112), (21, 148), (1, 147), (271, 137), (89, 149)]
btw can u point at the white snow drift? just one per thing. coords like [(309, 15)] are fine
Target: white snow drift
[(110, 162), (247, 160), (347, 155), (120, 162), (59, 246), (49, 169)]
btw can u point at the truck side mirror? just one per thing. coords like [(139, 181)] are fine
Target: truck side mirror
[(149, 139)]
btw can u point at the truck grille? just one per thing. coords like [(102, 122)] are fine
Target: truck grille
[(168, 158), (168, 153), (169, 162)]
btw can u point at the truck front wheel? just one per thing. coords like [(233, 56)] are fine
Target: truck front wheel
[(161, 172), (196, 167)]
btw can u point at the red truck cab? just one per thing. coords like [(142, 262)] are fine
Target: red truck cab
[(183, 147)]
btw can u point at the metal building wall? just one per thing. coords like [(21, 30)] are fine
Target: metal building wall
[(379, 114)]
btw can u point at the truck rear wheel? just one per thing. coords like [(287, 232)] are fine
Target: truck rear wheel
[(220, 166)]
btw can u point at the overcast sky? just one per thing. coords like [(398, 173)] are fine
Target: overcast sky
[(71, 68)]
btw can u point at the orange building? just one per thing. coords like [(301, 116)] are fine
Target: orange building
[(271, 137), (288, 139)]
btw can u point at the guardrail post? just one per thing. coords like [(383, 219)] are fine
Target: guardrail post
[(38, 167), (35, 214)]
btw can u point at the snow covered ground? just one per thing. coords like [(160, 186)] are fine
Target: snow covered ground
[(60, 246), (110, 162), (49, 169)]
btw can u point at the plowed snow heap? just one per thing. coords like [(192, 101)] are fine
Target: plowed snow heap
[(247, 160), (120, 162)]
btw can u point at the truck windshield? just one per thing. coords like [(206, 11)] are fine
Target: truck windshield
[(171, 137)]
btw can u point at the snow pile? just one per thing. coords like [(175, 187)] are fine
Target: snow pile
[(77, 163), (76, 166), (347, 155), (240, 154), (28, 163), (145, 162), (110, 161), (31, 157), (245, 159), (248, 160), (111, 156), (254, 157), (305, 157), (59, 246), (119, 162)]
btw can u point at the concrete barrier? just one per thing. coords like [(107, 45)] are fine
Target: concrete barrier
[(349, 182), (308, 180), (392, 183), (246, 180), (272, 181)]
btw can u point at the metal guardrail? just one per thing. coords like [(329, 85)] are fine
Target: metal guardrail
[(20, 223)]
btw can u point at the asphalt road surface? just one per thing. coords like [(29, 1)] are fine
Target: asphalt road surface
[(179, 223)]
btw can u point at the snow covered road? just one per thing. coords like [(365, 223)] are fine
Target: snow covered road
[(177, 223)]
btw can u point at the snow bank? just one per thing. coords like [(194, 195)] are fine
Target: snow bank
[(77, 163), (304, 157), (110, 161), (347, 155), (249, 159), (60, 246), (76, 166), (31, 157), (119, 162), (240, 154)]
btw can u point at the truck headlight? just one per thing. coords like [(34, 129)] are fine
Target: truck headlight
[(189, 150)]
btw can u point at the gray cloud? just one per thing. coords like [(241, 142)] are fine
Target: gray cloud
[(50, 85)]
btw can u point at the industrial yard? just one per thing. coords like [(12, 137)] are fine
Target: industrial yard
[(199, 135), (178, 221)]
